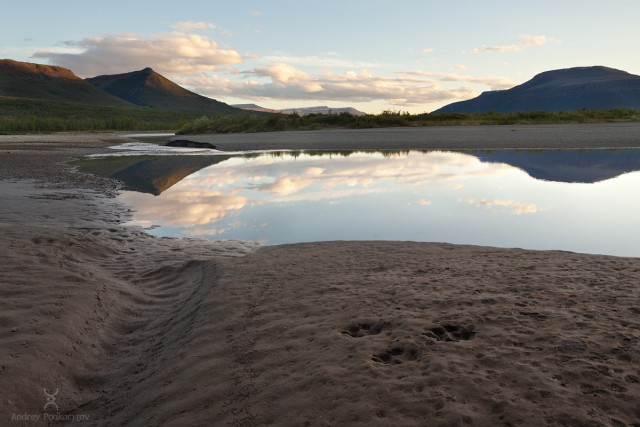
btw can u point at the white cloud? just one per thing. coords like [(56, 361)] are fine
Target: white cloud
[(426, 51), (329, 61), (282, 73), (493, 82), (523, 42), (192, 25), (174, 52), (290, 83), (201, 64)]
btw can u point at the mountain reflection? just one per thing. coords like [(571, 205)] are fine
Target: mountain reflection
[(155, 174), (286, 178), (148, 174), (586, 166)]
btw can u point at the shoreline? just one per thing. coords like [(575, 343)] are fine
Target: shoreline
[(132, 329), (581, 136)]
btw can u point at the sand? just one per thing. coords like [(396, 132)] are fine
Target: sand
[(577, 136), (122, 328)]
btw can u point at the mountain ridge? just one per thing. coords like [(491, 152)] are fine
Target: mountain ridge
[(592, 88), (319, 109), (28, 80), (148, 88)]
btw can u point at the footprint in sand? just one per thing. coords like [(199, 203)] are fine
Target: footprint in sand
[(397, 354), (361, 329), (451, 333)]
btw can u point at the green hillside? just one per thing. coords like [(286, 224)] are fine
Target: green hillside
[(36, 98)]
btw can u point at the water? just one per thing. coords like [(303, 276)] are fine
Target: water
[(583, 201)]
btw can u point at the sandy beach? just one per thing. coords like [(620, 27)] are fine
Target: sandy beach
[(577, 136), (102, 324)]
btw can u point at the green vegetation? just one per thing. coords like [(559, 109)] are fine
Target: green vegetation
[(280, 122), (19, 115)]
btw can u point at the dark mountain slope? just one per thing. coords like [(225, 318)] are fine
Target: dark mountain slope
[(150, 89), (50, 83), (593, 88)]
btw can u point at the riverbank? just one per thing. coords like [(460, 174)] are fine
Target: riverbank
[(135, 330), (586, 136)]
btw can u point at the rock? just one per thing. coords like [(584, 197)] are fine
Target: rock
[(190, 144)]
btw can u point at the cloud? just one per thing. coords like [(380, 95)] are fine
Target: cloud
[(426, 51), (282, 73), (201, 64), (192, 25), (523, 42), (493, 82), (255, 13), (174, 52), (328, 61), (289, 83), (512, 206)]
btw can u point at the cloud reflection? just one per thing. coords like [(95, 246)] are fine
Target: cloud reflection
[(238, 184), (512, 206)]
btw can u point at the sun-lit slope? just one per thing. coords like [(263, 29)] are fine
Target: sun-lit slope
[(149, 89), (50, 83), (592, 88)]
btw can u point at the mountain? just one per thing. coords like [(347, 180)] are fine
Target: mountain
[(150, 89), (254, 107), (51, 83), (323, 109), (593, 88)]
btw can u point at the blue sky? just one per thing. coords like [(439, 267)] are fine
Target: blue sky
[(373, 55)]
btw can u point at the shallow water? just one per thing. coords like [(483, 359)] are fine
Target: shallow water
[(583, 201)]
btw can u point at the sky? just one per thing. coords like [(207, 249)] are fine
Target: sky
[(373, 55)]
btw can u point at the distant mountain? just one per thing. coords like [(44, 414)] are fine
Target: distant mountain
[(150, 89), (254, 107), (303, 110), (593, 88), (50, 83)]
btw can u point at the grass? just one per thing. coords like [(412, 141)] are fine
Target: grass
[(20, 115), (281, 122)]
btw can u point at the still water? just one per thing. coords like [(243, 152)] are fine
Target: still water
[(583, 201)]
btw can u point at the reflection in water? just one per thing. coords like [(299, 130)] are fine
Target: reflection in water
[(586, 166), (420, 196), (147, 174)]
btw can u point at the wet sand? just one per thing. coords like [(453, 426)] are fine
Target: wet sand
[(136, 330)]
